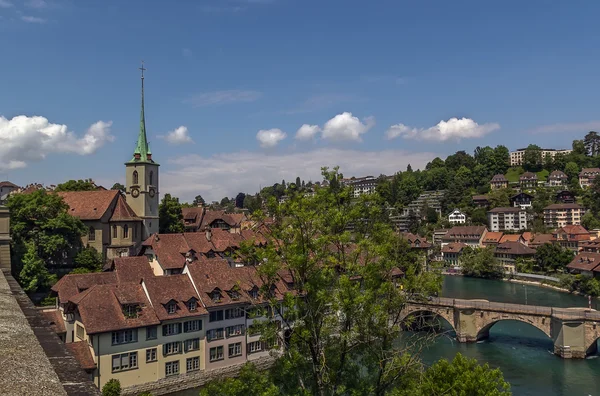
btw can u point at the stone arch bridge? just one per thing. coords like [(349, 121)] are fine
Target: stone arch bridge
[(574, 331)]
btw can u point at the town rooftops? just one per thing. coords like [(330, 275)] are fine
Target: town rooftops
[(88, 205), (199, 217), (6, 183), (510, 238), (557, 175), (585, 261), (528, 176), (177, 290), (540, 239), (454, 247), (123, 211), (499, 178), (131, 269), (563, 206), (56, 321), (589, 171), (492, 237), (415, 241), (509, 209), (514, 248), (70, 285), (81, 351), (464, 233)]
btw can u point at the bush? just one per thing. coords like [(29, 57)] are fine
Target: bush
[(112, 388), (48, 302)]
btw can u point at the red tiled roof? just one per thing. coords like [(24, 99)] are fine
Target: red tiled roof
[(56, 321), (81, 351), (492, 237), (528, 176), (510, 238), (101, 310), (70, 285), (563, 206), (585, 261), (499, 178), (454, 247), (132, 269), (527, 236), (123, 211), (177, 288), (6, 183), (413, 239), (510, 209), (89, 205), (540, 239), (464, 233), (514, 248), (557, 175), (587, 171)]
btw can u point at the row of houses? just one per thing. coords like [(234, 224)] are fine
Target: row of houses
[(556, 179)]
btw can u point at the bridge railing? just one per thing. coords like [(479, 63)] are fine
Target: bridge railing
[(563, 313)]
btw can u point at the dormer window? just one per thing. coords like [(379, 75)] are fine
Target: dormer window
[(131, 311), (172, 307), (234, 294), (192, 305), (254, 293), (215, 296)]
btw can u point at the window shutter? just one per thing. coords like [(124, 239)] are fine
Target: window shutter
[(179, 342), (185, 346), (164, 349)]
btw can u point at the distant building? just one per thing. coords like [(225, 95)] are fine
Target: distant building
[(516, 157), (6, 188), (199, 218), (560, 215), (457, 217), (557, 179), (587, 176), (452, 252), (507, 254), (507, 219), (528, 180), (521, 200), (438, 235), (571, 237), (498, 181), (566, 197), (592, 246), (538, 240), (362, 185), (585, 263), (492, 239), (470, 235), (481, 201)]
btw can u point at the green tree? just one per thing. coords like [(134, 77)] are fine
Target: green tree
[(532, 158), (34, 275), (199, 201), (436, 163), (590, 221), (460, 159), (77, 185), (324, 244), (592, 143), (170, 216), (250, 381), (479, 217), (551, 257), (239, 200), (42, 218), (89, 258), (461, 377), (480, 263), (500, 197), (112, 388), (118, 186)]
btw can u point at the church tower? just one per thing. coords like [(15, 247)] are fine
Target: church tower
[(141, 179)]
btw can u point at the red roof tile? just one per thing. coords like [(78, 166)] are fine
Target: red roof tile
[(454, 247), (585, 261), (81, 351), (514, 248), (123, 211), (177, 288), (132, 269), (73, 284), (55, 320), (89, 205)]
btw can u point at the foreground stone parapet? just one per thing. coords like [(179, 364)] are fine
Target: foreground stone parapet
[(33, 361)]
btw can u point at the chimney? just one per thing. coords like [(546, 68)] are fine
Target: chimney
[(208, 233)]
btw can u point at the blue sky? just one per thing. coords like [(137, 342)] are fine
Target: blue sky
[(372, 80)]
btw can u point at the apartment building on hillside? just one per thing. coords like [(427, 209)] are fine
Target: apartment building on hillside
[(516, 157), (560, 215), (507, 219), (587, 176)]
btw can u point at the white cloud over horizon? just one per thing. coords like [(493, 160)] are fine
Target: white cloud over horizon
[(453, 129), (223, 97), (307, 132), (269, 138), (178, 135), (26, 139), (226, 174), (346, 127)]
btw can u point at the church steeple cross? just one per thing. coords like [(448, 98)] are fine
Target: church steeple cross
[(142, 69)]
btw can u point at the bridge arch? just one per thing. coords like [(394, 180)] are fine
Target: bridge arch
[(489, 319), (447, 314)]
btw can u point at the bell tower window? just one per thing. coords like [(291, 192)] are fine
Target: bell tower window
[(135, 177), (125, 231), (150, 177)]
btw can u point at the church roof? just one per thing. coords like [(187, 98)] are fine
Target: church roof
[(88, 205), (142, 153), (123, 211)]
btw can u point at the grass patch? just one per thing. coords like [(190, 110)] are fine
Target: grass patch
[(513, 174), (543, 175)]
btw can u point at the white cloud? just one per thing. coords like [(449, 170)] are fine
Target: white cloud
[(32, 19), (346, 127), (191, 175), (179, 135), (453, 129), (270, 137), (579, 127), (223, 97), (26, 139), (5, 4), (307, 132)]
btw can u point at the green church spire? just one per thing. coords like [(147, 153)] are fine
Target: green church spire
[(142, 151)]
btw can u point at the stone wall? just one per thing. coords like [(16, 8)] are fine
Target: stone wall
[(187, 381)]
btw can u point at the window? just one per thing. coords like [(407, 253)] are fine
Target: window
[(233, 331), (192, 364), (215, 316), (191, 345), (192, 305), (216, 353), (235, 349), (255, 346), (254, 293), (234, 295), (150, 178), (125, 231), (214, 334), (171, 329), (130, 310), (80, 332), (172, 368), (91, 234), (124, 361), (151, 355), (171, 307), (171, 348), (193, 325), (124, 336), (115, 232), (233, 313), (215, 296), (151, 333), (135, 177)]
